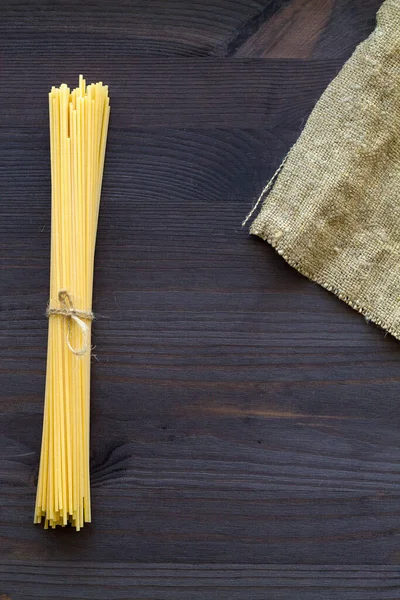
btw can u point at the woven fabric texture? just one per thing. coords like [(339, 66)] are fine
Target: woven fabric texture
[(334, 210)]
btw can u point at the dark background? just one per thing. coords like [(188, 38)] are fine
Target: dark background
[(245, 423)]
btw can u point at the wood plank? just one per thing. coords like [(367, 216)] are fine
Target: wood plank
[(350, 23), (290, 33), (110, 581), (312, 28), (140, 28), (186, 29), (211, 481), (176, 92)]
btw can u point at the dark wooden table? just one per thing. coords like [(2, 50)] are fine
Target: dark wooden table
[(245, 423)]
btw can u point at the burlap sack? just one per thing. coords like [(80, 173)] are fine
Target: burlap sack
[(334, 210)]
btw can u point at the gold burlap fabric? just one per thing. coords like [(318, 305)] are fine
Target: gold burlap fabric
[(334, 210)]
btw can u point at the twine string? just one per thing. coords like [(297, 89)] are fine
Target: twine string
[(70, 313), (265, 191)]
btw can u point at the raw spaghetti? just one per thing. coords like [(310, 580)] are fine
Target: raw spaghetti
[(78, 133)]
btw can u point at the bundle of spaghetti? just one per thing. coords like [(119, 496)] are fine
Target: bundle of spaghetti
[(78, 132)]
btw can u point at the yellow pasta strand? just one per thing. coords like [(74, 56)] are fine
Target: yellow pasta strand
[(78, 134)]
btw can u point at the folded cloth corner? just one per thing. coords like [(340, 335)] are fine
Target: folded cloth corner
[(334, 210)]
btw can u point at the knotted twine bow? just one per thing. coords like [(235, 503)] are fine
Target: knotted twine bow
[(69, 312)]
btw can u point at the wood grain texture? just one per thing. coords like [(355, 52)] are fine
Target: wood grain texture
[(245, 425), (312, 29), (290, 32), (179, 93), (349, 24), (141, 27), (107, 581)]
